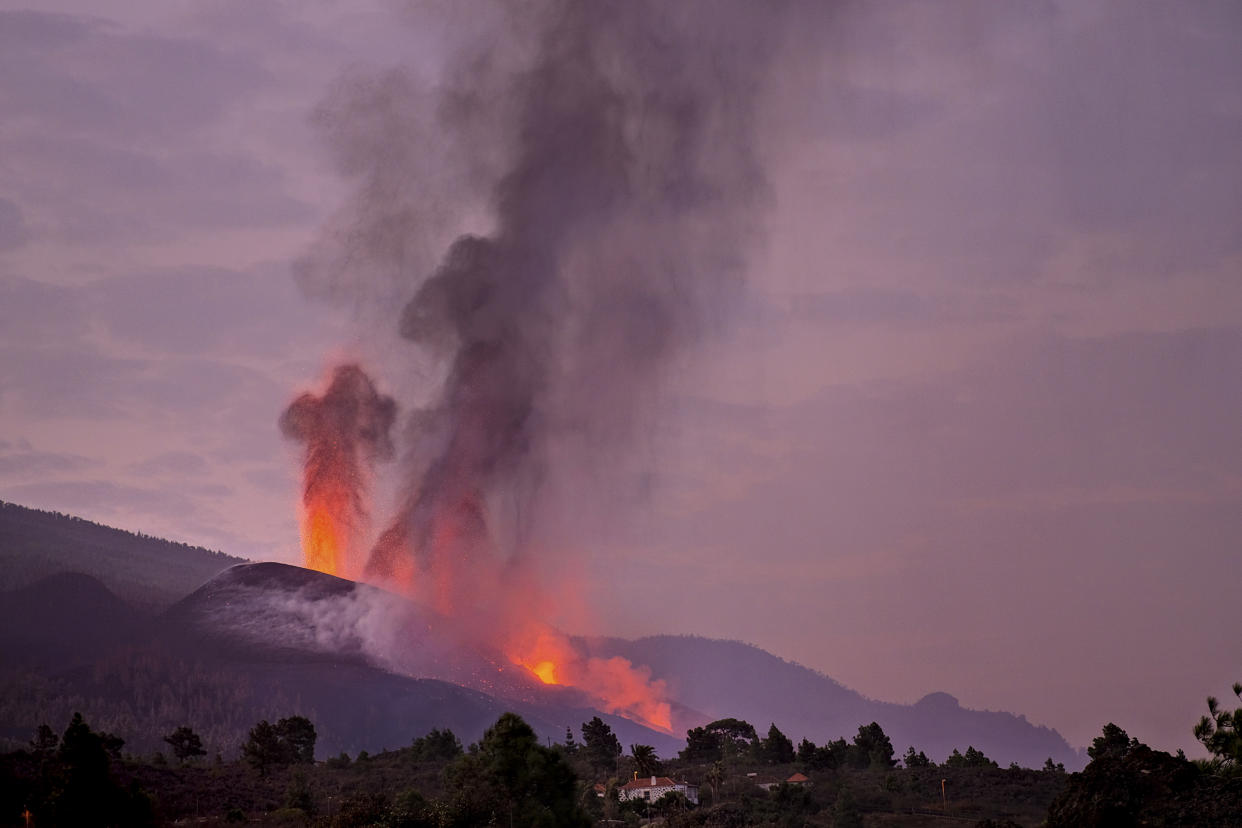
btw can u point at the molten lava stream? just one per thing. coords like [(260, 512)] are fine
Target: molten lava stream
[(619, 685)]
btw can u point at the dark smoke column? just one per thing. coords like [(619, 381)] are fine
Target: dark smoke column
[(345, 432), (626, 205)]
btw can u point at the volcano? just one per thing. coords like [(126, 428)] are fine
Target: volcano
[(317, 629), (374, 669), (270, 613)]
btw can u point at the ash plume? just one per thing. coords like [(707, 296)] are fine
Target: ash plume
[(570, 207), (614, 148), (345, 432)]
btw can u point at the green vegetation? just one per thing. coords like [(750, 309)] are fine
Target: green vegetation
[(1128, 783), (185, 743), (508, 778), (1221, 731), (601, 746), (290, 741)]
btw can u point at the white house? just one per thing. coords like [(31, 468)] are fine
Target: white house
[(653, 787)]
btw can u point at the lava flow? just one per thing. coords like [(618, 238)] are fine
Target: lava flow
[(622, 687)]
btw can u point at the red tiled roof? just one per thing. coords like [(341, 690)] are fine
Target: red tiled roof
[(797, 777)]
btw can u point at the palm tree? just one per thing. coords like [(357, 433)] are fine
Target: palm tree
[(714, 777), (646, 760)]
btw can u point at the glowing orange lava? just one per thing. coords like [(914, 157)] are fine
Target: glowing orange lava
[(440, 552), (323, 539), (344, 431), (546, 672), (618, 685)]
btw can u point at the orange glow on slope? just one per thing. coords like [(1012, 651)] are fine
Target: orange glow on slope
[(440, 551), (545, 671), (619, 686)]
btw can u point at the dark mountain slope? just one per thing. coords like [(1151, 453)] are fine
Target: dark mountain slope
[(271, 613), (729, 678), (64, 620), (145, 571), (260, 641)]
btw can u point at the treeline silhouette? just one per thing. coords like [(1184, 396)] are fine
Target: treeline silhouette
[(509, 778)]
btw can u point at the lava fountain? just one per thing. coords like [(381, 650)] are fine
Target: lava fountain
[(345, 431)]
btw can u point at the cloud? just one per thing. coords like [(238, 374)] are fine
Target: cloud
[(56, 381), (104, 497), (37, 313), (26, 463), (13, 231), (88, 76), (200, 311), (899, 308), (171, 463), (90, 191), (123, 133)]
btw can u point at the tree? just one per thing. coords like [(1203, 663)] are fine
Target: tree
[(290, 741), (1114, 742), (673, 802), (701, 746), (716, 776), (298, 734), (831, 756), (263, 748), (1053, 767), (646, 760), (185, 743), (571, 747), (806, 751), (1221, 730), (778, 748), (971, 759), (601, 745), (916, 760), (510, 779), (90, 796), (735, 736), (44, 741), (845, 813), (436, 746), (872, 748)]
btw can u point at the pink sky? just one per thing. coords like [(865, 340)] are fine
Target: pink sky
[(974, 429)]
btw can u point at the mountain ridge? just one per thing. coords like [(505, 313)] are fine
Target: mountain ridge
[(233, 616)]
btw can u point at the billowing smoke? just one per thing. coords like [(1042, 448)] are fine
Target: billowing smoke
[(606, 155), (345, 432)]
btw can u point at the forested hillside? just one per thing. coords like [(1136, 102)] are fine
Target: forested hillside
[(147, 572)]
